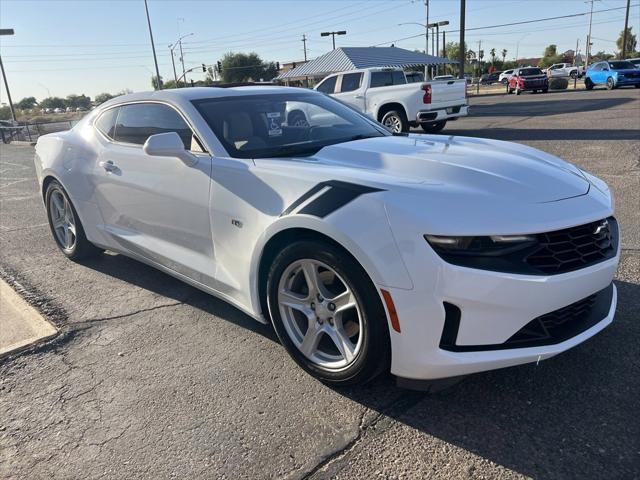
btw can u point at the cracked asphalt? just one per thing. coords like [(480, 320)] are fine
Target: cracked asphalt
[(150, 378)]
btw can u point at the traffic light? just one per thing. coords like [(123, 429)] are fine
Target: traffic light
[(219, 66), (204, 68)]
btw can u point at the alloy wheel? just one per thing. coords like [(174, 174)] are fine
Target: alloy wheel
[(62, 220), (320, 313), (393, 122)]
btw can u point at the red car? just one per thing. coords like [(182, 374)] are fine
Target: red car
[(529, 78)]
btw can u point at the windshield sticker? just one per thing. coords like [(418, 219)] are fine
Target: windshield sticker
[(275, 124)]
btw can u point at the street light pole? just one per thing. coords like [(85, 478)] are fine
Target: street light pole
[(624, 35), (462, 53), (333, 36), (172, 47), (153, 48), (173, 64), (7, 31), (426, 38)]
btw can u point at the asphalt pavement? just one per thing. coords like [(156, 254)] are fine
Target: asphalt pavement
[(151, 378)]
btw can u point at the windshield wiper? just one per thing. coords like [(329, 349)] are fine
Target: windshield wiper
[(291, 151)]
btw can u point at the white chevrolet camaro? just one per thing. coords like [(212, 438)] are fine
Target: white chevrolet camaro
[(428, 256)]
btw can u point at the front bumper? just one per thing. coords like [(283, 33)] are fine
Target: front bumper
[(430, 116), (624, 82), (494, 306)]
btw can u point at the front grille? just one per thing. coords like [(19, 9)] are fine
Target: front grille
[(573, 248), (548, 329)]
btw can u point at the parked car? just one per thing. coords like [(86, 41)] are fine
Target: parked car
[(444, 77), (385, 94), (505, 76), (565, 70), (414, 77), (58, 110), (613, 74), (427, 256), (490, 78), (528, 79)]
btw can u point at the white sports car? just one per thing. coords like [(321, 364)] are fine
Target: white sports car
[(427, 256)]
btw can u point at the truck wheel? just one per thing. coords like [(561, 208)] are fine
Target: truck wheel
[(396, 121), (509, 91), (610, 83), (588, 84), (573, 74), (433, 127)]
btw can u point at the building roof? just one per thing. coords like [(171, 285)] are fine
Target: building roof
[(354, 58)]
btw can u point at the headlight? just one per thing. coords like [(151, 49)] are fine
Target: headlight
[(486, 245)]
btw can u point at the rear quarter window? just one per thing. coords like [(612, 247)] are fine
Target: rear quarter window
[(106, 122), (328, 85)]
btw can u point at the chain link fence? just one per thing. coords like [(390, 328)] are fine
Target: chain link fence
[(29, 132)]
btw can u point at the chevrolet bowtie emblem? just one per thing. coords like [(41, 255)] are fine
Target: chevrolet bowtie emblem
[(601, 226)]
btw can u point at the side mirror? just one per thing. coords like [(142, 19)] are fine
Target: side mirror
[(169, 145)]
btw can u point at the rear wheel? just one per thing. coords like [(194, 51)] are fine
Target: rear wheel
[(396, 121), (433, 127), (518, 91), (573, 74), (328, 314), (588, 84), (610, 83), (65, 224)]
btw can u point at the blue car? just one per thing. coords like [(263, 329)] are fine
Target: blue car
[(613, 74)]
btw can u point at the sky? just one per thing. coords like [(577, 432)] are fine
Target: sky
[(93, 46)]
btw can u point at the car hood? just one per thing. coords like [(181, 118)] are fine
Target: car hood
[(488, 167)]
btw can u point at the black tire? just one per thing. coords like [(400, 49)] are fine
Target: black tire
[(573, 74), (588, 84), (509, 91), (81, 247), (397, 118), (610, 83), (545, 90), (637, 85), (518, 91), (374, 355), (504, 81), (433, 127)]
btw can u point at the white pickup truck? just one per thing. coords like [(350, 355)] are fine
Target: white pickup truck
[(385, 95), (564, 70)]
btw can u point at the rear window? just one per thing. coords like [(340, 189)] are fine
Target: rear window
[(351, 82), (529, 72), (385, 79), (328, 86), (106, 122)]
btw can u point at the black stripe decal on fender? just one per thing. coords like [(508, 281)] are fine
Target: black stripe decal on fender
[(337, 196)]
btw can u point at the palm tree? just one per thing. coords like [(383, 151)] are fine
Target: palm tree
[(492, 52), (504, 54)]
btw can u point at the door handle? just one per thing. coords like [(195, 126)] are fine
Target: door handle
[(109, 166), (358, 96)]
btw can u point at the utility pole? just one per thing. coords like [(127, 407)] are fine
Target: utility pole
[(7, 31), (478, 58), (182, 59), (444, 49), (462, 53), (588, 47), (624, 35), (426, 38), (304, 47), (173, 64), (153, 47)]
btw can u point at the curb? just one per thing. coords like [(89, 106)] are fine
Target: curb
[(22, 143)]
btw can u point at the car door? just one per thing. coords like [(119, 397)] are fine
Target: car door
[(351, 90), (155, 207), (598, 75)]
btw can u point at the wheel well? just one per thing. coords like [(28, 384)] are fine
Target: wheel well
[(274, 246), (388, 107), (45, 183)]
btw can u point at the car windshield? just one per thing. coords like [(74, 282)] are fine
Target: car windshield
[(291, 124), (622, 65), (529, 72)]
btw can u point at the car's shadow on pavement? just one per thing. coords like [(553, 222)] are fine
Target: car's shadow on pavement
[(544, 107), (532, 134), (564, 418)]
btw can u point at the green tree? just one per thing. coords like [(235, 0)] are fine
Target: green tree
[(155, 84), (632, 42), (241, 67), (5, 113), (27, 103), (103, 97), (78, 101), (550, 56), (492, 54), (172, 84), (599, 56), (504, 56), (52, 102)]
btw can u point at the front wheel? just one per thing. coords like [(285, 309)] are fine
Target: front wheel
[(433, 127), (328, 314), (395, 121), (610, 83), (588, 84), (65, 224), (518, 91)]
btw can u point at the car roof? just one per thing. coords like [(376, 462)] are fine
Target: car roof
[(181, 95)]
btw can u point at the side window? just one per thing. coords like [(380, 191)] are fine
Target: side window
[(381, 79), (106, 122), (398, 77), (328, 86), (351, 82), (138, 122)]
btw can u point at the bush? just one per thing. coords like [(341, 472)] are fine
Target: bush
[(558, 83)]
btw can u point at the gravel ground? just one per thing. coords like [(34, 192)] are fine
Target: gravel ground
[(151, 378)]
